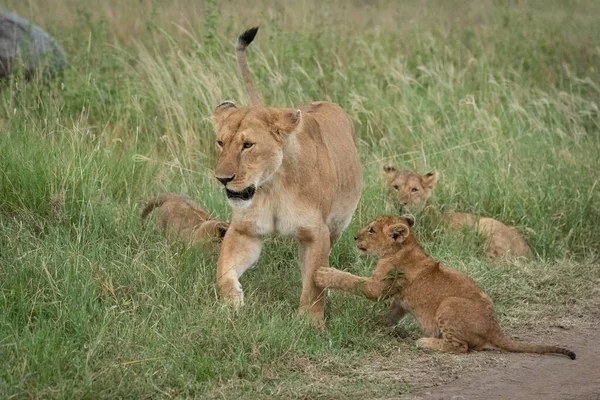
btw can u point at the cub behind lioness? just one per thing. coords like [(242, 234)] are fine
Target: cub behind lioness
[(183, 218), (453, 312), (412, 191)]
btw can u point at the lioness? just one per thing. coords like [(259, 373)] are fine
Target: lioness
[(412, 191), (295, 172), (183, 218), (453, 312)]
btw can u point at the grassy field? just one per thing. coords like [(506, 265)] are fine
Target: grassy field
[(501, 97)]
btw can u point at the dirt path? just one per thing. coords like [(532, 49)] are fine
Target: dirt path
[(527, 376)]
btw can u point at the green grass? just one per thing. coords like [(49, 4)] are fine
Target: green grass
[(502, 99)]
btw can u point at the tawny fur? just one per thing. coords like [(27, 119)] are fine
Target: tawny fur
[(305, 168), (184, 219), (412, 192), (453, 312)]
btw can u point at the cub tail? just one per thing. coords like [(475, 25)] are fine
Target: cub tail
[(154, 203), (501, 342)]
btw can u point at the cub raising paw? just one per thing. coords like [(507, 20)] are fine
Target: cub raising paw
[(183, 218), (412, 191), (452, 311)]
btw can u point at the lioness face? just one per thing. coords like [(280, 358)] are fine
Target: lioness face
[(408, 188), (384, 234), (250, 147)]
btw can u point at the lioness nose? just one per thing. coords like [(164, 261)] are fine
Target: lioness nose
[(225, 180), (355, 237)]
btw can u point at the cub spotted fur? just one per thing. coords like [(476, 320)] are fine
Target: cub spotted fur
[(453, 312), (183, 218), (290, 171), (412, 191)]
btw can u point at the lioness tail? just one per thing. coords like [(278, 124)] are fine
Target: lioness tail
[(240, 49)]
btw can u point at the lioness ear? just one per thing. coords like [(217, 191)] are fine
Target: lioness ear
[(388, 168), (222, 111), (399, 232), (429, 179), (410, 219), (285, 121)]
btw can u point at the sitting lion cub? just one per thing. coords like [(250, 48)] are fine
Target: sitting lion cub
[(412, 191), (183, 218), (453, 312)]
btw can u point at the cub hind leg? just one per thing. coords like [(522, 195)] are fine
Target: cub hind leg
[(448, 344), (462, 324)]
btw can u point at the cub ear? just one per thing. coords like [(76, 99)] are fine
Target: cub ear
[(388, 168), (399, 232), (410, 219), (211, 229), (284, 122), (429, 179), (222, 111), (223, 230)]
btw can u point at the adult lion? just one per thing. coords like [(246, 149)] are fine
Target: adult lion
[(295, 172)]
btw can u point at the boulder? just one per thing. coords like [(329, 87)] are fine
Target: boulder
[(21, 41)]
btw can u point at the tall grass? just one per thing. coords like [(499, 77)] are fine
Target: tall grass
[(501, 98)]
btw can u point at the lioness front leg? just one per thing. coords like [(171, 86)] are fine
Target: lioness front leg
[(314, 254), (371, 288), (238, 253)]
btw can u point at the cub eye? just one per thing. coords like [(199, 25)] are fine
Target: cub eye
[(371, 230), (220, 143), (247, 145), (396, 187), (414, 190)]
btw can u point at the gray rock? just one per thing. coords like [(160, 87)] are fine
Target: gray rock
[(21, 41)]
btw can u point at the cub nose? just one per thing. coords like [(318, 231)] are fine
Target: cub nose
[(355, 237), (225, 180)]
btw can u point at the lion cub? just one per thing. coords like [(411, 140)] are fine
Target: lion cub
[(412, 191), (453, 312), (183, 218)]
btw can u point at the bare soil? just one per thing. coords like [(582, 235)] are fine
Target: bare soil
[(532, 376)]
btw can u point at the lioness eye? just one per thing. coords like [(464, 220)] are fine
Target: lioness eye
[(247, 145), (396, 187), (371, 230), (414, 190), (220, 143)]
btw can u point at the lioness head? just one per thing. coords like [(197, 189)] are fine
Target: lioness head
[(384, 234), (408, 188), (250, 147)]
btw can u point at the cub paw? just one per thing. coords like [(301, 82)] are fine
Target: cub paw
[(322, 277)]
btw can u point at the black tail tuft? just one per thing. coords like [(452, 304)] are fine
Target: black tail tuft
[(571, 355), (246, 38)]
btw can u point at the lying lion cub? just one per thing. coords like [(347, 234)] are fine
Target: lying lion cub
[(454, 313), (183, 218), (412, 191)]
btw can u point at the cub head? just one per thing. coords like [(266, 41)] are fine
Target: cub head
[(250, 147), (408, 188), (384, 234)]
